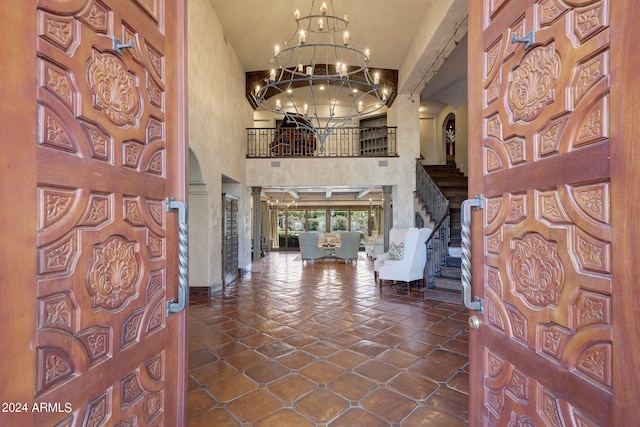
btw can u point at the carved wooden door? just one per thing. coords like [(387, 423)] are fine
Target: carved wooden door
[(543, 244), (99, 148), (230, 239)]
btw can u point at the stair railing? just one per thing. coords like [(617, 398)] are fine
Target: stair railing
[(437, 205)]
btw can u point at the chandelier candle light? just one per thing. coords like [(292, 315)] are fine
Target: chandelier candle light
[(320, 82)]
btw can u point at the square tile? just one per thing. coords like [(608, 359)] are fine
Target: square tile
[(347, 359), (412, 386), (398, 358), (251, 407), (275, 349), (358, 417), (352, 386), (231, 387), (368, 348), (283, 418), (297, 359), (321, 406), (323, 346), (216, 417), (450, 401), (291, 387), (212, 372), (429, 417), (266, 371), (388, 405), (377, 371), (321, 372)]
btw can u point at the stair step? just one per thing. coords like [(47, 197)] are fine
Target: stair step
[(444, 295), (453, 261), (456, 195), (446, 283), (451, 272), (441, 168), (451, 181)]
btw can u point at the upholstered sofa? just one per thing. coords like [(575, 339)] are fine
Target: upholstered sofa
[(329, 239)]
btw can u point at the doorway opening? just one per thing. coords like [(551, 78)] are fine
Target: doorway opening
[(449, 138)]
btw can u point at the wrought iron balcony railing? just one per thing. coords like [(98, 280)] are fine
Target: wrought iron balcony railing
[(343, 142)]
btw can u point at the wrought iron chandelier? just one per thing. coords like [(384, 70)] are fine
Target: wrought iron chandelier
[(320, 81)]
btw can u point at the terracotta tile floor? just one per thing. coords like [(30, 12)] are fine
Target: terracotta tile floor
[(320, 345)]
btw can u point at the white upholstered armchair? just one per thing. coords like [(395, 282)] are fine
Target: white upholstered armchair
[(407, 256)]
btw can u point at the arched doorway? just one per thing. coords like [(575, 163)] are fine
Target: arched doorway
[(199, 231), (449, 138)]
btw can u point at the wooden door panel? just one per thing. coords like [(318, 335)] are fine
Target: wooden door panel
[(230, 236), (546, 251), (102, 253)]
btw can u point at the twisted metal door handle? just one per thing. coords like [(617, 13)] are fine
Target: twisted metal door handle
[(465, 216), (174, 305)]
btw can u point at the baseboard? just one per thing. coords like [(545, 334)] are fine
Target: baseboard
[(199, 291)]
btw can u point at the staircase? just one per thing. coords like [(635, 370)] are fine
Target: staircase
[(454, 186)]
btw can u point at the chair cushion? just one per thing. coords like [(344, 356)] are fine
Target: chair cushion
[(396, 252)]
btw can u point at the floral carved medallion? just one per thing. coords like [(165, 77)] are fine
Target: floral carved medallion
[(532, 83), (114, 89), (113, 273), (536, 270)]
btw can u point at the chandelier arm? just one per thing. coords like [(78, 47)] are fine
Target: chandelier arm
[(282, 63), (328, 67)]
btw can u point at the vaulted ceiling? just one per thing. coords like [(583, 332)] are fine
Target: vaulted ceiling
[(386, 27), (389, 28)]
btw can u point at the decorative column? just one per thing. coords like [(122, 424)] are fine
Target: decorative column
[(257, 231), (387, 214)]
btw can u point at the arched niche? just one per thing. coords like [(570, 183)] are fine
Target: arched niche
[(449, 138)]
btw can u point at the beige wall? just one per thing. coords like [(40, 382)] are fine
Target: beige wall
[(396, 171), (432, 142), (218, 116), (428, 138)]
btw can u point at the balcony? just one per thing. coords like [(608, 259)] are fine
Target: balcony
[(342, 142)]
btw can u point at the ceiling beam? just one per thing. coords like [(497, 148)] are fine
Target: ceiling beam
[(293, 193), (363, 193), (257, 78)]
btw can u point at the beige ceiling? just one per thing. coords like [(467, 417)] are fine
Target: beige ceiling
[(319, 195), (386, 27)]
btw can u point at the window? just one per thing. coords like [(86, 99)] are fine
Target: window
[(291, 221), (359, 222), (317, 220), (339, 220)]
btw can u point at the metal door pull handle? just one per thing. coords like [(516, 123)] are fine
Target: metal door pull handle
[(118, 45), (477, 304), (528, 39), (174, 305)]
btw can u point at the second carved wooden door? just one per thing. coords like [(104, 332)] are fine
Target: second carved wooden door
[(97, 86), (544, 245)]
